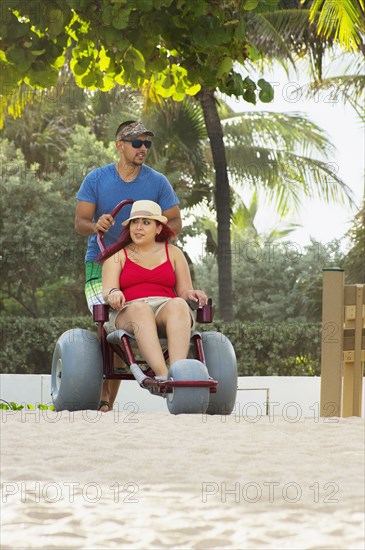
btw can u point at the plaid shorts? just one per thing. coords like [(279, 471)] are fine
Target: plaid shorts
[(93, 284)]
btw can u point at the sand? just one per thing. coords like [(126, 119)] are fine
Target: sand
[(129, 480)]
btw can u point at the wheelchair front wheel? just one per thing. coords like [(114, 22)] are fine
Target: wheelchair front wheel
[(188, 400), (221, 363)]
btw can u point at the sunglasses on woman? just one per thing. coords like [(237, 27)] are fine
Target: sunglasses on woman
[(137, 143)]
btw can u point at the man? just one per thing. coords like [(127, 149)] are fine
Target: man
[(101, 190)]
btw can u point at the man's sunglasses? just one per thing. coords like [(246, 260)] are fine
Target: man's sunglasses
[(137, 143)]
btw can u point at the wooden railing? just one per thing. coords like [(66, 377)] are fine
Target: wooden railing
[(343, 345)]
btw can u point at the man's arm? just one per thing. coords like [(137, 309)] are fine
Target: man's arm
[(174, 219), (84, 223)]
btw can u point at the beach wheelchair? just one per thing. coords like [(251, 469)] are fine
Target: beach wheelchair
[(205, 382)]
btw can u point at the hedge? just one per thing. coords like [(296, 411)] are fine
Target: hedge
[(274, 349), (26, 345), (262, 349)]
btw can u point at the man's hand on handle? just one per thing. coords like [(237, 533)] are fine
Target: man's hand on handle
[(104, 223)]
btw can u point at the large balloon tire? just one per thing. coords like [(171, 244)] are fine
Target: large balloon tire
[(77, 371), (188, 400), (221, 362)]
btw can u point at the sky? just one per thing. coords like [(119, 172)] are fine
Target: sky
[(321, 221)]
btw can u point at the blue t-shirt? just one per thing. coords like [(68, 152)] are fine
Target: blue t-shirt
[(104, 188)]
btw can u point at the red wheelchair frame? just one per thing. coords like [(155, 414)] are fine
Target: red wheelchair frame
[(123, 348)]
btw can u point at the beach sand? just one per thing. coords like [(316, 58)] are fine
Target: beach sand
[(129, 480)]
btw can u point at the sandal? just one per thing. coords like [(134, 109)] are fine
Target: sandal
[(104, 404)]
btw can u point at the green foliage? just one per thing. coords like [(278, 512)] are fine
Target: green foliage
[(262, 349), (344, 20), (12, 406), (166, 49), (170, 49), (84, 153), (27, 345), (42, 259), (48, 118), (274, 348), (286, 154), (180, 149), (355, 257), (278, 282)]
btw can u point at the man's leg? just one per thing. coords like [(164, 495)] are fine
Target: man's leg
[(109, 391), (93, 293)]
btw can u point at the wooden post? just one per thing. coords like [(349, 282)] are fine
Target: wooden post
[(354, 346), (359, 346), (332, 342)]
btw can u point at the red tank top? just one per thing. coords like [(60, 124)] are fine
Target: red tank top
[(140, 282)]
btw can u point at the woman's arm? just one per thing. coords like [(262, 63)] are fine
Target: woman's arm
[(184, 286), (112, 294)]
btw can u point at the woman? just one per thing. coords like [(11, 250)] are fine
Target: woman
[(146, 280)]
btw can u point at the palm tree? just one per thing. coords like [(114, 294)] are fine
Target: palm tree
[(321, 32), (333, 42), (285, 155), (344, 21), (286, 34), (281, 153), (243, 224), (180, 148)]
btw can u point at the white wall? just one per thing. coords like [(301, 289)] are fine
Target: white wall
[(293, 397)]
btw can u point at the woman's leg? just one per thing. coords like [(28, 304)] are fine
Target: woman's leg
[(139, 319), (174, 319)]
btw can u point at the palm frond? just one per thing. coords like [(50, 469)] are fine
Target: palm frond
[(303, 176), (349, 88), (292, 131), (287, 177), (342, 20), (278, 33), (180, 147)]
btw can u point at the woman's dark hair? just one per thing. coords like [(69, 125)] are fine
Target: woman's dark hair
[(165, 236)]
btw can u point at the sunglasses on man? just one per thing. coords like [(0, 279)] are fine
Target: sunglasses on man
[(137, 143)]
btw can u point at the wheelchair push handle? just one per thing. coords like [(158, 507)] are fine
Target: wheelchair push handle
[(101, 311), (113, 213)]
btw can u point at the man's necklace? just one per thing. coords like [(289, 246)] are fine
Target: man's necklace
[(129, 177)]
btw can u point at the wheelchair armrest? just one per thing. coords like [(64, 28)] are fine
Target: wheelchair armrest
[(203, 314), (100, 313)]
